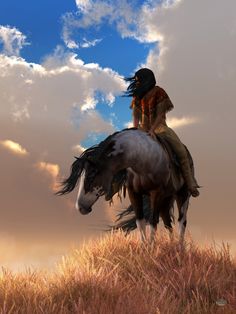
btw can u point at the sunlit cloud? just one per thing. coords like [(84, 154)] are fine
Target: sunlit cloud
[(14, 147), (78, 149), (128, 124), (51, 169), (172, 122), (90, 103), (180, 122)]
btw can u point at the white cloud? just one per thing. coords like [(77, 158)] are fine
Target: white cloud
[(129, 18), (85, 43), (12, 40), (110, 98), (71, 44), (94, 13), (90, 43), (128, 124), (61, 83), (89, 103), (83, 5)]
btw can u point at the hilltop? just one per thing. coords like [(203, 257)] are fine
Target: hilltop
[(118, 274)]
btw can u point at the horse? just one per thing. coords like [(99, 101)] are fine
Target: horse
[(146, 169)]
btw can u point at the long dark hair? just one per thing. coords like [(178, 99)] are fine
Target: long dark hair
[(142, 81)]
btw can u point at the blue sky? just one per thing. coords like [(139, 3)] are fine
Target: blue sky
[(42, 23)]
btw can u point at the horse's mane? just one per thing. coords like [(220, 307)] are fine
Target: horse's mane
[(97, 155)]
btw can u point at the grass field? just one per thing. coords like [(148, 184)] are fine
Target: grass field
[(117, 274)]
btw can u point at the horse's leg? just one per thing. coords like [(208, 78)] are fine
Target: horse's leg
[(167, 214), (137, 204), (182, 200), (155, 201)]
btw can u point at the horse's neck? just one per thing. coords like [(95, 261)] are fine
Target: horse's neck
[(139, 151)]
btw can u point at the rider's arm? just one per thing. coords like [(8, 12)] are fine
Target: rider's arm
[(136, 113), (162, 107), (158, 121)]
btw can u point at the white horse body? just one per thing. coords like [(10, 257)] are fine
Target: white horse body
[(145, 158), (134, 144)]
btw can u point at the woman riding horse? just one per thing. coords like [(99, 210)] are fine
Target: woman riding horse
[(139, 162), (150, 104)]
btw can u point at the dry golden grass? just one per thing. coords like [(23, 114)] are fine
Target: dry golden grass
[(120, 275)]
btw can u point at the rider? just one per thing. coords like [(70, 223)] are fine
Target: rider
[(150, 104)]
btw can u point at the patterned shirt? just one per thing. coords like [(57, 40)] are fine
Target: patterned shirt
[(146, 110)]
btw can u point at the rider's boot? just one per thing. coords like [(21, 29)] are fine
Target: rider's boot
[(189, 178)]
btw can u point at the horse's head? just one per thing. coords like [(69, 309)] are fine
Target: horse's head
[(94, 182), (94, 171)]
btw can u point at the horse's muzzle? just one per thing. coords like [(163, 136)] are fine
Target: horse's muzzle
[(85, 211)]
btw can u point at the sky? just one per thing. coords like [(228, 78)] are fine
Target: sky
[(62, 65)]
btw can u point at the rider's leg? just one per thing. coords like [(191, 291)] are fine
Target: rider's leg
[(182, 155)]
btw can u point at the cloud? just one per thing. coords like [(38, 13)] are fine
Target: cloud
[(12, 40), (41, 108), (129, 18), (194, 61), (172, 122), (85, 43), (53, 171), (89, 103), (78, 149), (63, 80), (195, 64), (83, 5), (94, 13), (90, 43), (180, 122), (14, 147), (128, 124)]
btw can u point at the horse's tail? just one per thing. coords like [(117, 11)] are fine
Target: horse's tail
[(126, 220), (69, 184)]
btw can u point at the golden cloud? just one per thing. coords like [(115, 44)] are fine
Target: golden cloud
[(14, 147), (179, 122), (51, 169)]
